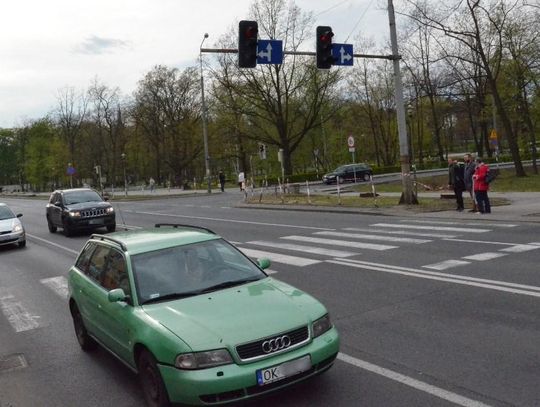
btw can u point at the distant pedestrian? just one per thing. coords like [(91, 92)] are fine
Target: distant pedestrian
[(152, 184), (456, 181), (470, 166), (481, 187), (241, 180), (222, 181)]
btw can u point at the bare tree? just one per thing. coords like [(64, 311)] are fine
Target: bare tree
[(70, 115)]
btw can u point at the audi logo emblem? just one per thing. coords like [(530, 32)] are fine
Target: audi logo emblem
[(275, 344)]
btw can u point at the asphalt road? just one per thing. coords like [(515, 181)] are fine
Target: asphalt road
[(431, 312)]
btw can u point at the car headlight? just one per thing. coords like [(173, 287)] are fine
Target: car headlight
[(75, 214), (17, 228), (202, 360), (110, 210), (321, 325)]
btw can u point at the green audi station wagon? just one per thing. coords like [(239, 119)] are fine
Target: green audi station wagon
[(199, 322)]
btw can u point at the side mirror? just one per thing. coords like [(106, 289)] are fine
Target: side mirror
[(58, 203), (105, 198), (117, 295), (19, 215), (264, 263)]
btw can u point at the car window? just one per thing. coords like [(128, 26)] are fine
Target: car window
[(6, 213), (97, 264), (83, 262), (74, 197), (115, 274), (190, 268)]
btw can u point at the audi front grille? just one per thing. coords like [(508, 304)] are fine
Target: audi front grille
[(254, 350)]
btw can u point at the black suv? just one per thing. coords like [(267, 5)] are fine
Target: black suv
[(80, 208), (350, 172)]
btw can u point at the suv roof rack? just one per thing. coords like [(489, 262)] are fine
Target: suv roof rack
[(179, 225), (103, 237)]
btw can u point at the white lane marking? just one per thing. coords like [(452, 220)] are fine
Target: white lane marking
[(479, 241), (443, 265), (19, 318), (535, 243), (520, 248), (305, 249), (52, 244), (226, 207), (373, 237), (432, 276), (438, 274), (484, 256), (440, 228), (228, 220), (399, 232), (357, 245), (269, 271), (279, 258), (58, 284), (409, 381), (497, 225)]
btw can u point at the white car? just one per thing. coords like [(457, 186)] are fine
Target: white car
[(11, 228)]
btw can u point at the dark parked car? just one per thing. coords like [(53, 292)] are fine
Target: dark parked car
[(80, 208), (349, 173)]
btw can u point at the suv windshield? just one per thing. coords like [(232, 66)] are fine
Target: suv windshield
[(81, 196), (5, 213), (190, 270)]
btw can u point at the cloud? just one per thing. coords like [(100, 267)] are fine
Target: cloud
[(95, 45)]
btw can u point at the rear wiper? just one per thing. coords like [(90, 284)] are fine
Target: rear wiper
[(227, 284), (172, 296)]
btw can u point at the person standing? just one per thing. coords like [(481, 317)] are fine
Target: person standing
[(470, 166), (241, 180), (456, 181), (481, 187), (222, 181), (152, 184)]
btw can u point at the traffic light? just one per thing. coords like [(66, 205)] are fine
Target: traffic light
[(324, 47), (247, 44)]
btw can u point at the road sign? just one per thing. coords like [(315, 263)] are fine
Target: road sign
[(343, 54), (352, 149), (71, 170), (270, 52), (350, 141), (493, 134)]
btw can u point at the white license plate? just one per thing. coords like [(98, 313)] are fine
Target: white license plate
[(287, 369), (95, 221)]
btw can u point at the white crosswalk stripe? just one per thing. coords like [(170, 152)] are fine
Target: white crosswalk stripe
[(520, 248), (58, 284), (439, 228), (496, 225), (279, 258), (443, 265), (344, 243), (301, 248), (484, 256), (399, 232), (18, 316), (374, 237)]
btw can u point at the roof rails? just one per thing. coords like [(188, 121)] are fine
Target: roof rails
[(178, 225), (103, 237)]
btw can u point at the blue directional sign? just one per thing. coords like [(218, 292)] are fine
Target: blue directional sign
[(343, 54), (269, 52)]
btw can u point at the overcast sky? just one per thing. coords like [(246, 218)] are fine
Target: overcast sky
[(47, 45)]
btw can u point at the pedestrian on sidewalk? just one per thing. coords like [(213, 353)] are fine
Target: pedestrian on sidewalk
[(470, 167), (456, 181), (222, 181), (241, 180), (481, 187)]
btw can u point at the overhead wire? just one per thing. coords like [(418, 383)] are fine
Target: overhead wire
[(359, 20)]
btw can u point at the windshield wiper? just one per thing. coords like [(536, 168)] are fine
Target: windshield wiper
[(227, 284), (172, 296)]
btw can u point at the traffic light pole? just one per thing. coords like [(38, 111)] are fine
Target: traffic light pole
[(306, 53)]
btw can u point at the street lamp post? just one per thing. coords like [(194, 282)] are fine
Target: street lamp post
[(123, 155), (204, 118)]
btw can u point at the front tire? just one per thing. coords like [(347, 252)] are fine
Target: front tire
[(152, 384), (86, 342), (22, 244), (111, 228), (67, 230), (51, 227)]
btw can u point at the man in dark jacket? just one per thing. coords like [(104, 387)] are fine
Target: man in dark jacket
[(470, 166), (456, 181)]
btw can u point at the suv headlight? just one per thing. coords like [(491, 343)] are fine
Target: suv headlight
[(202, 360), (75, 214), (321, 325), (110, 210)]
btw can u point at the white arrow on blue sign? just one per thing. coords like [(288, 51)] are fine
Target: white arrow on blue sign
[(343, 54), (269, 52)]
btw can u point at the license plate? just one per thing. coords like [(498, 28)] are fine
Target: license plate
[(287, 369), (95, 221)]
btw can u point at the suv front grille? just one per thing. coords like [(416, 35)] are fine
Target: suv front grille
[(254, 349), (93, 213)]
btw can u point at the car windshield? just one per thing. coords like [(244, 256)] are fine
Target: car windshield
[(5, 213), (74, 197), (193, 269)]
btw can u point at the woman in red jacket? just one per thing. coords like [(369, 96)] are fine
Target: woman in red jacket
[(481, 187)]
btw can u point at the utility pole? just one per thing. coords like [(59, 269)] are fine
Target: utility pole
[(407, 195), (204, 121)]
